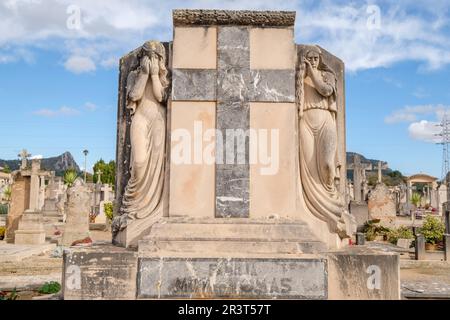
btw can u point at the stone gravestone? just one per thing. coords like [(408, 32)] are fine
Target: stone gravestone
[(106, 197), (31, 229), (20, 202), (77, 213), (382, 204), (228, 193), (358, 206)]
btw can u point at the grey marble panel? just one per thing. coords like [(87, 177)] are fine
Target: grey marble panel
[(233, 84), (233, 46), (194, 84), (232, 191), (272, 86)]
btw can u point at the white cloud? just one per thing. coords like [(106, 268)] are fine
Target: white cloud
[(39, 156), (63, 111), (90, 106), (409, 30), (425, 131), (402, 35), (421, 129), (411, 113), (78, 64)]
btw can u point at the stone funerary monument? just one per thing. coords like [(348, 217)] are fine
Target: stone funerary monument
[(231, 172)]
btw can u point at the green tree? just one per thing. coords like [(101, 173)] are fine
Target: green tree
[(108, 172), (6, 169)]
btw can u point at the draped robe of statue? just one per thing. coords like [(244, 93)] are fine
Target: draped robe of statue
[(318, 152), (143, 193)]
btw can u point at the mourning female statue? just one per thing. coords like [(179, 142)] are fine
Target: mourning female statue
[(146, 90), (316, 98)]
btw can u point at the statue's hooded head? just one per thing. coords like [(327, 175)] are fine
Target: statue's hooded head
[(154, 48)]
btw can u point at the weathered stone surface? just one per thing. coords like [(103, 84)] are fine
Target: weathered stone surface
[(123, 151), (194, 84), (361, 213), (361, 273), (231, 236), (272, 48), (77, 210), (381, 203), (229, 17), (404, 243), (195, 47), (99, 272), (232, 278), (31, 229), (273, 85), (20, 200)]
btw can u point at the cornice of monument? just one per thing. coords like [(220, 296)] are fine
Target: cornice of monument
[(185, 17)]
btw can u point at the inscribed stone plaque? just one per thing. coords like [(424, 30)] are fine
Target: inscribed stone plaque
[(198, 278)]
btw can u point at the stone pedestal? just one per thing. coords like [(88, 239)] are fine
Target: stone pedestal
[(361, 273), (77, 210), (245, 278), (20, 200), (360, 211), (31, 229), (237, 211), (382, 205)]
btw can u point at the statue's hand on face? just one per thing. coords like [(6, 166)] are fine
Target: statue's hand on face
[(309, 68), (145, 65), (154, 66)]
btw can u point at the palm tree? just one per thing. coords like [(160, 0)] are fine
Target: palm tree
[(7, 193), (69, 177), (416, 199)]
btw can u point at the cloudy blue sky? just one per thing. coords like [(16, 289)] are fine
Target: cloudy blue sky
[(58, 73)]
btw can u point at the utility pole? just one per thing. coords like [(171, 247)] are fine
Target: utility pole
[(445, 140), (85, 163)]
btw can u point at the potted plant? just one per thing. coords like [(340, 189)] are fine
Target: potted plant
[(433, 231)]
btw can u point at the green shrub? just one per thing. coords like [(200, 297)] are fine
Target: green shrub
[(399, 233), (50, 287), (372, 229), (3, 208), (109, 210), (433, 229), (11, 296)]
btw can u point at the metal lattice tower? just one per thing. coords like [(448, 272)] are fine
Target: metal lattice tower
[(445, 141)]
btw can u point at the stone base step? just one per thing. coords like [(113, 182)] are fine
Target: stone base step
[(230, 236), (227, 247), (230, 231)]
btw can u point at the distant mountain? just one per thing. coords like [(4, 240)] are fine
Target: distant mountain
[(374, 162), (58, 164)]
